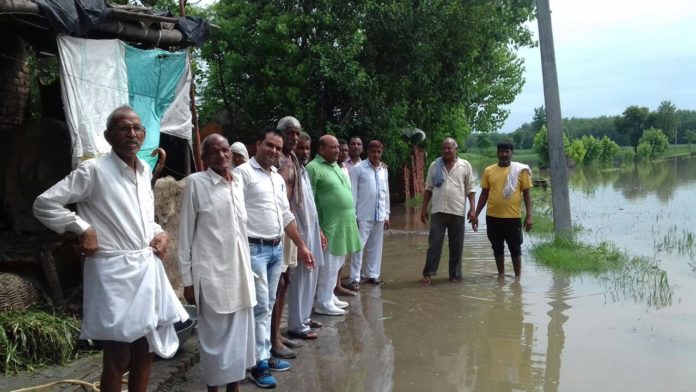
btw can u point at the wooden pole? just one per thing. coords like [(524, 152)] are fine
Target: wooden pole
[(559, 175), (194, 113)]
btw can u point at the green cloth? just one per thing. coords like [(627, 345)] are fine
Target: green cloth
[(334, 199)]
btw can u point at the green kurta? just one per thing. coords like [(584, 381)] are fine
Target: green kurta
[(334, 199)]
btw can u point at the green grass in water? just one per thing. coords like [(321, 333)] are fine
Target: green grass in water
[(573, 256), (415, 201), (35, 337)]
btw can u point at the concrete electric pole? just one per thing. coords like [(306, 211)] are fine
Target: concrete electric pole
[(559, 174)]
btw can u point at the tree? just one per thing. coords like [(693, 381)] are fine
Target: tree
[(632, 123), (593, 148), (609, 149), (665, 118), (539, 119), (690, 137), (541, 146), (366, 68), (576, 150), (653, 143), (483, 142)]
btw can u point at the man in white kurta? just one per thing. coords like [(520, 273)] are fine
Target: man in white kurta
[(215, 269), (128, 303), (304, 280), (369, 181)]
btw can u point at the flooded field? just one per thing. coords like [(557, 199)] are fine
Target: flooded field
[(550, 331)]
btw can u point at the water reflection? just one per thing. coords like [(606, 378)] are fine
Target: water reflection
[(636, 180), (504, 360), (558, 293)]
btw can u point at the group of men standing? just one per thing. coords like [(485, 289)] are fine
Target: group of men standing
[(450, 184), (295, 221), (276, 225)]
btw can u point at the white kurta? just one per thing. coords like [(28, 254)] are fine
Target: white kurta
[(370, 188), (304, 281), (213, 248), (213, 254), (126, 293)]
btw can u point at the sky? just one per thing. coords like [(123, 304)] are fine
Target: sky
[(611, 54)]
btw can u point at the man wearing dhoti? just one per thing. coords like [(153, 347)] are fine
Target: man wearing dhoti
[(269, 211), (215, 269), (304, 280), (128, 303)]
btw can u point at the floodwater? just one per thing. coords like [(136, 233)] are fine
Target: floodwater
[(549, 331)]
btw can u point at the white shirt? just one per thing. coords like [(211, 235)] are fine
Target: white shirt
[(213, 248), (348, 164), (450, 197), (370, 191), (126, 294), (111, 197), (266, 200)]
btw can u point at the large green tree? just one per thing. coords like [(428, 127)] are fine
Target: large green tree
[(366, 67), (665, 118), (632, 123)]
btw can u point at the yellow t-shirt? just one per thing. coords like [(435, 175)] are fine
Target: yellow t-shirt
[(493, 179)]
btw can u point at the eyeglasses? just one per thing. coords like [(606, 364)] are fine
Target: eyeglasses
[(124, 129)]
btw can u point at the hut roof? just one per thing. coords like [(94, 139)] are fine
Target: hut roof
[(141, 26)]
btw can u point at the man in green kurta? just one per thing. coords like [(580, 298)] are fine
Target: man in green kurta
[(334, 200)]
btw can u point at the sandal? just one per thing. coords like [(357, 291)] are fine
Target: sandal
[(290, 343), (309, 334), (314, 324), (354, 286)]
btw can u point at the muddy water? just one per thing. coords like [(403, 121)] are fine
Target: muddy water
[(549, 331)]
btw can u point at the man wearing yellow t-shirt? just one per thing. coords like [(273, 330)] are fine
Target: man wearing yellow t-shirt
[(502, 186)]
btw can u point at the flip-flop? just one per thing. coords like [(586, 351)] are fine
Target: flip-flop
[(290, 343), (284, 353), (314, 324), (306, 335)]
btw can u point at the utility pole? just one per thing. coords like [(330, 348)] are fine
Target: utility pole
[(559, 174)]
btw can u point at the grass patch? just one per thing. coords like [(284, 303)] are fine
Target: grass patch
[(575, 257), (36, 337), (637, 278), (682, 243), (542, 210), (415, 201)]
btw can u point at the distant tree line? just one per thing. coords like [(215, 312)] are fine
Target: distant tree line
[(626, 130), (599, 139)]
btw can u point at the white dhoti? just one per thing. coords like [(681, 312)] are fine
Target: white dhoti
[(127, 296), (371, 239), (303, 285), (227, 344)]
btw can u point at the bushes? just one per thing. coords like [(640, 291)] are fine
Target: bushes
[(652, 144), (587, 149)]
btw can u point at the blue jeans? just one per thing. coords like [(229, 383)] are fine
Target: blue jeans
[(266, 262)]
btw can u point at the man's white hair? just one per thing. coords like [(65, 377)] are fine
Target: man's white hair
[(287, 122)]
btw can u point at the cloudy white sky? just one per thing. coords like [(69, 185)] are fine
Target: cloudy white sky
[(614, 53)]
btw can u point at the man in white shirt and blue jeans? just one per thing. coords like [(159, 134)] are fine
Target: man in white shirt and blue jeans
[(369, 181), (269, 215)]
